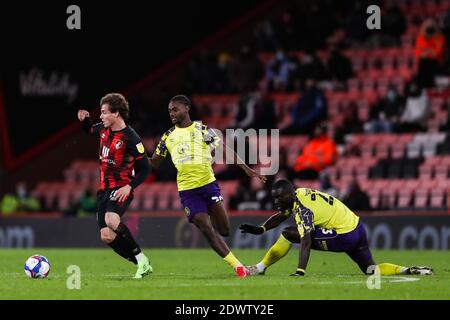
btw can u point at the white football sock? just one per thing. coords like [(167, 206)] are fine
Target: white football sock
[(261, 267), (139, 256)]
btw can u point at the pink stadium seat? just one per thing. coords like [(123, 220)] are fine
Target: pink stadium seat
[(148, 201), (136, 203), (176, 203), (163, 201), (441, 171), (421, 198), (426, 171), (374, 195), (437, 198), (405, 196), (70, 175)]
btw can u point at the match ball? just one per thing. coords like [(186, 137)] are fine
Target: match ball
[(37, 267)]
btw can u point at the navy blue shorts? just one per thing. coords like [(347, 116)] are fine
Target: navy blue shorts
[(199, 199), (354, 243)]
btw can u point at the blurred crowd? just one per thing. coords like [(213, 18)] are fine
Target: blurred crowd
[(294, 38)]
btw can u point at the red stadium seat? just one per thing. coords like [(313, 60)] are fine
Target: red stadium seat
[(421, 198), (405, 197), (374, 195), (437, 198)]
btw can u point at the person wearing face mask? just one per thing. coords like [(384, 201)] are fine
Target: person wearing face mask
[(386, 113), (19, 202), (429, 51), (280, 70)]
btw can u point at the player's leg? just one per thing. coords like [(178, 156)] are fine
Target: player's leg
[(203, 222), (363, 258), (362, 255), (107, 235), (116, 243), (204, 208), (277, 251), (219, 218), (113, 220)]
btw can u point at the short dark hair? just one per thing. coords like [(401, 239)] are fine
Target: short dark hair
[(181, 99), (284, 184), (117, 103)]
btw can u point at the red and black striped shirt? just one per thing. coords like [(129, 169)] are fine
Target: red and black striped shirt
[(118, 152)]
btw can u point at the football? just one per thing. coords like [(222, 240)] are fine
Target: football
[(37, 266)]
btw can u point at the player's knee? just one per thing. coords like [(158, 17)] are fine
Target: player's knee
[(204, 228), (106, 238), (224, 232), (287, 233), (112, 222), (106, 235)]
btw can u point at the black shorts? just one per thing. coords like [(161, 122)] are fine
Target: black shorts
[(107, 203)]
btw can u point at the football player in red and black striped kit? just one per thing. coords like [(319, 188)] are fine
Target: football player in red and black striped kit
[(123, 166)]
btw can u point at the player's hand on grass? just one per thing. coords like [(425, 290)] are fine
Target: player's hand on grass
[(252, 173), (123, 193), (83, 114), (248, 228)]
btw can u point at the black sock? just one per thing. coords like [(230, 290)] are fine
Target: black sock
[(123, 232), (121, 248)]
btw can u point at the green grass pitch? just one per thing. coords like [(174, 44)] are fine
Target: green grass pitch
[(200, 274)]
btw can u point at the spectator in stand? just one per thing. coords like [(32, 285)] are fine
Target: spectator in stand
[(245, 197), (309, 111), (356, 199), (430, 48), (339, 68), (417, 110), (255, 110), (246, 111), (280, 71), (19, 202), (85, 207), (319, 153), (386, 113), (350, 124), (246, 71), (326, 185), (310, 67)]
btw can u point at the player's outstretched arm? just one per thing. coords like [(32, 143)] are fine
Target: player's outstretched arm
[(305, 249), (273, 222)]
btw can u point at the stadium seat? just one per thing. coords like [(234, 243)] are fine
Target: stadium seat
[(441, 171), (405, 196), (148, 202), (438, 198), (374, 196)]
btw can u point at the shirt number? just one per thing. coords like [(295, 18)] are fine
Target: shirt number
[(329, 200)]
